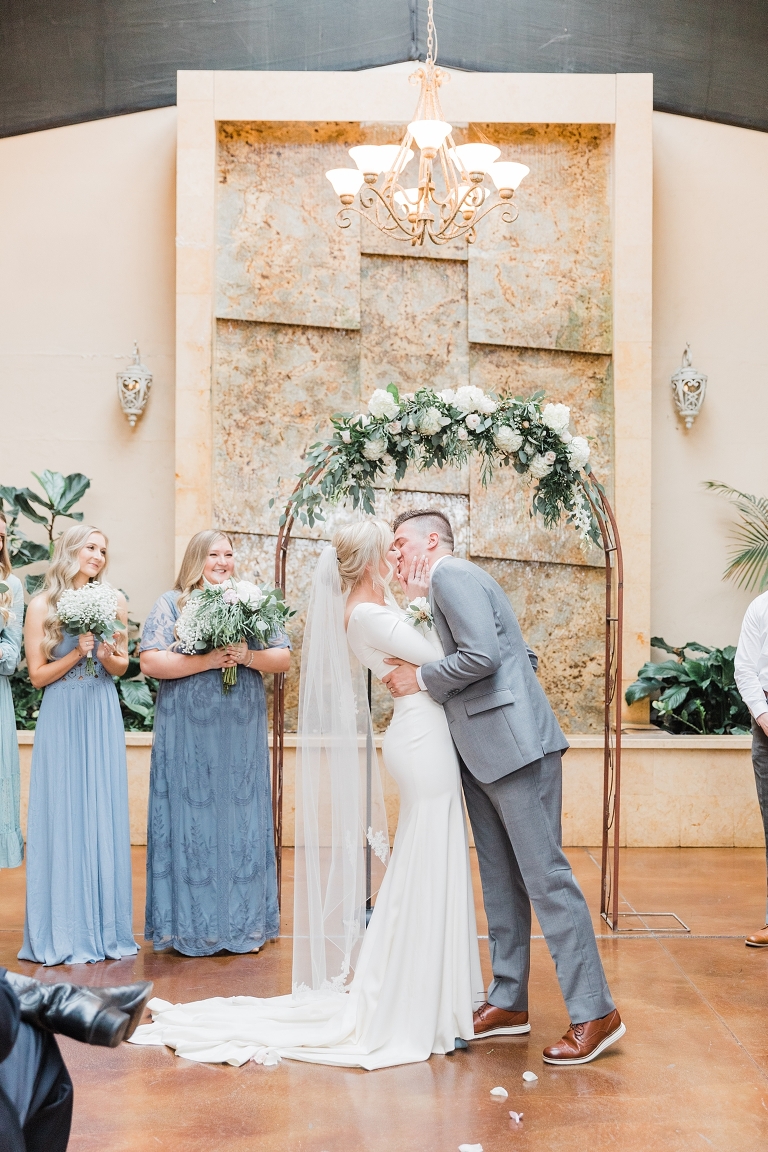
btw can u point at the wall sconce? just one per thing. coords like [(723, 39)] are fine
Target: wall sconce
[(133, 388), (689, 388)]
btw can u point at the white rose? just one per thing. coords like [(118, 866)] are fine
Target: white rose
[(447, 394), (578, 452), (507, 439), (556, 416), (430, 422), (383, 403), (566, 437), (471, 399), (472, 421), (345, 435), (375, 448), (539, 468), (394, 427), (248, 593), (550, 457), (462, 433)]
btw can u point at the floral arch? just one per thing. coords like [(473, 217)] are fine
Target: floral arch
[(428, 430)]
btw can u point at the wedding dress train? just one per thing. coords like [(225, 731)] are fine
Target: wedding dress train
[(417, 978)]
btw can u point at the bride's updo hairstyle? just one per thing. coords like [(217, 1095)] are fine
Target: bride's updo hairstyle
[(362, 545)]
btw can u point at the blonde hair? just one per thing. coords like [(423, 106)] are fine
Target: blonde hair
[(193, 564), (6, 598), (362, 545), (65, 565)]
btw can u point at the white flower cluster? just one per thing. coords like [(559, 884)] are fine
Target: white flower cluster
[(419, 612), (578, 452), (383, 405), (507, 439), (190, 627), (468, 398), (92, 608)]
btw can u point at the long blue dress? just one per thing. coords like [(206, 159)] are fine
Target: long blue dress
[(11, 842), (78, 836), (211, 882)]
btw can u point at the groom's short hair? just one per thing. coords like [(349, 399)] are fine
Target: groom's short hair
[(433, 521)]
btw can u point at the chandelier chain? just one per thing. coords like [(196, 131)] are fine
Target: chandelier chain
[(431, 33)]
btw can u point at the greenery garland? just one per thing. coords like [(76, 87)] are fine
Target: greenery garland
[(429, 429)]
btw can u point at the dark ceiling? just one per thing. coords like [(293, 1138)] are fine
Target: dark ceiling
[(65, 61)]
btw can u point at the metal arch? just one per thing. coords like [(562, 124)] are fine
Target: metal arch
[(614, 624)]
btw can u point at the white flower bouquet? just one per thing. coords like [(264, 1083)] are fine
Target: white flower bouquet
[(419, 612), (223, 614), (92, 608)]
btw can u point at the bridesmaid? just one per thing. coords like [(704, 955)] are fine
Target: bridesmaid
[(78, 838), (11, 617), (211, 883)]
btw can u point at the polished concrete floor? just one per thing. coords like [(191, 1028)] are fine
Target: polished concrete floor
[(691, 1073)]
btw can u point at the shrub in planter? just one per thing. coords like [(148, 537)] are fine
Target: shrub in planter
[(695, 693)]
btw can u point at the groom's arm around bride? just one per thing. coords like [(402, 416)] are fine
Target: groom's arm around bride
[(510, 745)]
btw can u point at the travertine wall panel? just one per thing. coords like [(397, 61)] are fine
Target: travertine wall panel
[(561, 610), (501, 522), (274, 387), (545, 281), (413, 323), (280, 255)]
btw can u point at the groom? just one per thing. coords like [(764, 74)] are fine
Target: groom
[(510, 745)]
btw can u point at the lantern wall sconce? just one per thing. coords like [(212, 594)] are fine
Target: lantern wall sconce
[(133, 385), (689, 388)]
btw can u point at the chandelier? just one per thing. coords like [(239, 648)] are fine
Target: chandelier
[(450, 197)]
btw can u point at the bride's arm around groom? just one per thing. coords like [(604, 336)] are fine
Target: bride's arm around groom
[(511, 746)]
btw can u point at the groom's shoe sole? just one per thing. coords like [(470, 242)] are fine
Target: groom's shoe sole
[(515, 1030), (614, 1036)]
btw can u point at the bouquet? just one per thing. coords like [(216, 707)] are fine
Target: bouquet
[(419, 612), (223, 614), (92, 608)]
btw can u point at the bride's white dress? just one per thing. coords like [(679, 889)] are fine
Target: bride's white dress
[(418, 975)]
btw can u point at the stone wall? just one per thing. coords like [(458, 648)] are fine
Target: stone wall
[(311, 318)]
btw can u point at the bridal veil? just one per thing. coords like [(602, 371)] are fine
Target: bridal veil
[(341, 842)]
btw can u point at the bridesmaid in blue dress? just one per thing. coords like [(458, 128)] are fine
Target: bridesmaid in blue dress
[(11, 617), (78, 837), (211, 883)]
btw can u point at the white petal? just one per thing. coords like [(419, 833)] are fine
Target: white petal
[(502, 1092), (530, 1077), (470, 1148), (516, 1116)]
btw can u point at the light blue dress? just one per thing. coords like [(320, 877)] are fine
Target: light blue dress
[(11, 842), (211, 882), (78, 837)]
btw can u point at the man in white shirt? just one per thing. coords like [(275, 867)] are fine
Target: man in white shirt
[(751, 670)]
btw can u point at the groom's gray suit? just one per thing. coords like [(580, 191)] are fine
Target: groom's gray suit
[(511, 746)]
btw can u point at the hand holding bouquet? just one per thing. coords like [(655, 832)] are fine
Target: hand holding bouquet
[(92, 608), (223, 614)]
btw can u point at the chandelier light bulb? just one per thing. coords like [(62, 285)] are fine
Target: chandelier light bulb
[(429, 134), (507, 176), (474, 157), (346, 182)]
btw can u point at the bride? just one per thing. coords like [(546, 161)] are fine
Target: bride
[(416, 967)]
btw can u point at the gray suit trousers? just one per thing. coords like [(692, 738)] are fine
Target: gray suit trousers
[(518, 836), (760, 765)]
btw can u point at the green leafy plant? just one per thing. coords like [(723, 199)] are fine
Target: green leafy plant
[(138, 693), (694, 693), (61, 495), (748, 565), (26, 698)]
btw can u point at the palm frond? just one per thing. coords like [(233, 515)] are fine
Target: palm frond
[(748, 566)]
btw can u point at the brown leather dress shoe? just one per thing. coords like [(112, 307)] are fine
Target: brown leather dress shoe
[(492, 1021), (758, 939), (583, 1042)]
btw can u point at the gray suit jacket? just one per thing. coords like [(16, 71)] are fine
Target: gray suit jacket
[(498, 714)]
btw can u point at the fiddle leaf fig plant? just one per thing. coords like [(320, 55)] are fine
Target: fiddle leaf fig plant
[(61, 493)]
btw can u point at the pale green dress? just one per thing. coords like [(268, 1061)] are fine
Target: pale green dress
[(11, 842)]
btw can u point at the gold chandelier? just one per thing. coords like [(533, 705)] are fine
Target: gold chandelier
[(451, 197)]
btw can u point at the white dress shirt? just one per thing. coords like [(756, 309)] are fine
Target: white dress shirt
[(432, 567), (751, 666)]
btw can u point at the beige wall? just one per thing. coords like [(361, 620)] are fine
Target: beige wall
[(87, 267), (710, 287)]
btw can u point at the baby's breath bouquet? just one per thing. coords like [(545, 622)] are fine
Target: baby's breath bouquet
[(92, 608), (222, 614)]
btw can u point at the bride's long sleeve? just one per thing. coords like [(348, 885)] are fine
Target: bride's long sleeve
[(382, 630)]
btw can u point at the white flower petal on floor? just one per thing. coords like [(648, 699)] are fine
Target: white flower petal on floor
[(500, 1092), (470, 1148), (516, 1116), (530, 1077)]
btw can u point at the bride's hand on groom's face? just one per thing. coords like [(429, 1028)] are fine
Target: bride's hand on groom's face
[(414, 581), (402, 681)]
